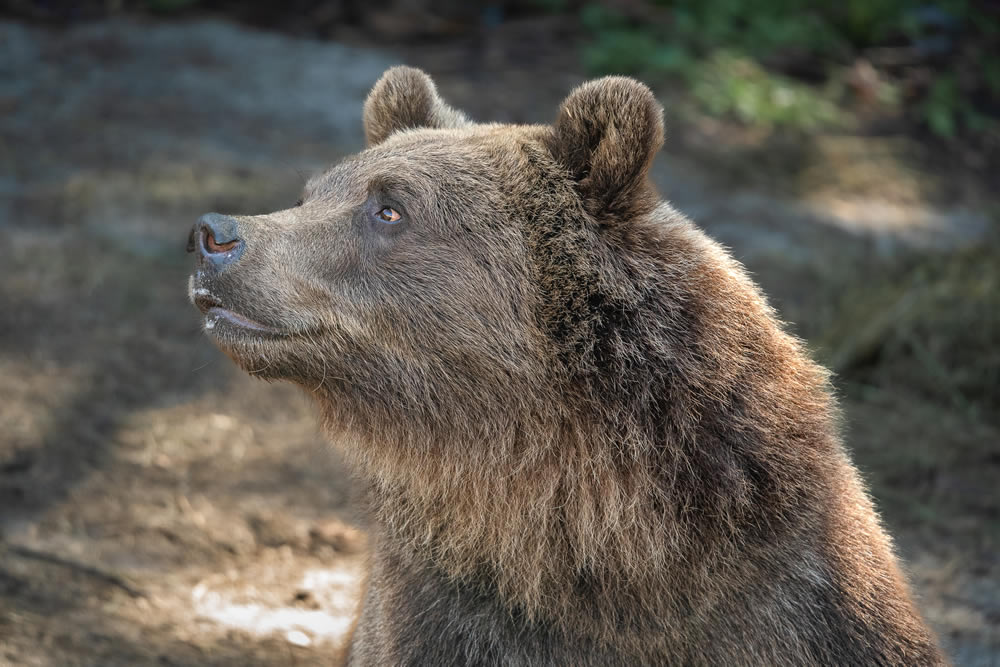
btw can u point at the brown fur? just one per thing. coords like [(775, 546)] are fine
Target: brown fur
[(586, 438)]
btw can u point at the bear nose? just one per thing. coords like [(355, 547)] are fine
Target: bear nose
[(215, 237)]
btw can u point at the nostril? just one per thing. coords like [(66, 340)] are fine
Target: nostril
[(213, 246), (217, 237)]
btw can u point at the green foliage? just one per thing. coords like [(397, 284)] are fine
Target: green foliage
[(729, 85), (946, 108), (942, 106), (868, 22), (716, 47), (627, 51), (755, 27)]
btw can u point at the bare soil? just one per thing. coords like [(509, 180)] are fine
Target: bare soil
[(159, 507)]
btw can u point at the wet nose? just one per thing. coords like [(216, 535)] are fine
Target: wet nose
[(215, 237)]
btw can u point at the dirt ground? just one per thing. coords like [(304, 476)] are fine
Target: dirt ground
[(159, 507)]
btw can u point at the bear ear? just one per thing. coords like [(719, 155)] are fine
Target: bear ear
[(606, 135), (406, 98)]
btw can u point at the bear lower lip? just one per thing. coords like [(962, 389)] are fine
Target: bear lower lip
[(217, 313)]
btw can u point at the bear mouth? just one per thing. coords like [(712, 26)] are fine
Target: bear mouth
[(215, 314)]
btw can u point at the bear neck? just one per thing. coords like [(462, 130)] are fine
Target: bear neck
[(641, 501)]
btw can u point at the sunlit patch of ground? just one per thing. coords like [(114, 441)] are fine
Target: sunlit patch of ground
[(911, 224), (318, 608)]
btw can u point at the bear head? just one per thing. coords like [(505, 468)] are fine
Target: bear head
[(451, 269)]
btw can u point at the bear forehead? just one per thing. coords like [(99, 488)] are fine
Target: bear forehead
[(422, 156), (481, 132)]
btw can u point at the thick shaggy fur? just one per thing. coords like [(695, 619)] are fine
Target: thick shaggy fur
[(586, 438)]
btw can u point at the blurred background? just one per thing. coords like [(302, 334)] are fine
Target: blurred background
[(157, 506)]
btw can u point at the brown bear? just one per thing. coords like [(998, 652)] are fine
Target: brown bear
[(585, 437)]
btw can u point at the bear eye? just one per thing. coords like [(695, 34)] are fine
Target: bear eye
[(388, 215)]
